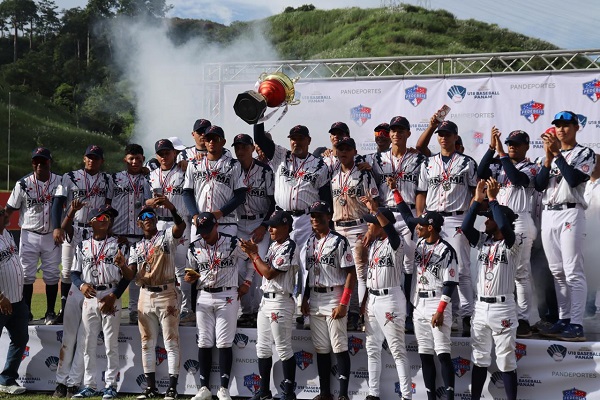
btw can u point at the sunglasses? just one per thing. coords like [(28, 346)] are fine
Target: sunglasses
[(213, 138), (146, 216), (566, 116), (101, 218), (382, 133)]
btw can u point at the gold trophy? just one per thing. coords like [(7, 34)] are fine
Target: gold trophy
[(274, 90)]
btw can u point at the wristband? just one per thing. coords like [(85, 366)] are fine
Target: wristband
[(443, 303), (346, 297), (176, 217), (397, 197)]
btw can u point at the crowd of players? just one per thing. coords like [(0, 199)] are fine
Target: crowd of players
[(331, 240)]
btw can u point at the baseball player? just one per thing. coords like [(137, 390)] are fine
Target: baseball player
[(495, 312), (278, 270), (14, 312), (385, 304), (436, 275), (382, 140), (337, 131), (152, 262), (516, 175), (215, 184), (258, 179), (167, 182), (446, 182), (565, 170), (94, 188), (331, 278), (32, 196), (215, 256), (97, 273), (190, 153), (130, 191)]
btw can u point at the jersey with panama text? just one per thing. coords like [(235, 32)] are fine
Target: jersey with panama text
[(170, 183), (386, 265), (497, 266), (95, 259), (347, 188), (284, 258), (260, 185), (404, 169), (92, 190), (517, 198), (435, 263), (128, 197), (155, 258), (326, 258)]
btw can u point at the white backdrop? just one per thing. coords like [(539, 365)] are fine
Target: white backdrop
[(546, 369)]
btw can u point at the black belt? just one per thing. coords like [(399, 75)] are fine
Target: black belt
[(450, 214), (217, 289), (322, 289), (156, 289), (558, 207), (252, 217), (425, 294), (379, 292), (346, 224), (104, 287), (38, 233), (165, 218), (294, 213), (82, 225), (494, 299), (273, 295)]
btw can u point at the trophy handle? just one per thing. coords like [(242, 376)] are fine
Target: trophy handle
[(296, 79), (294, 102), (262, 76)]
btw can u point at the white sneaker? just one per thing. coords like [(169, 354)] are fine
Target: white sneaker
[(223, 394), (14, 389), (203, 394)]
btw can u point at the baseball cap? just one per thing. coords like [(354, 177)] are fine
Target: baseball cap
[(447, 126), (205, 222), (242, 138), (400, 121), (385, 212), (384, 126), (201, 125), (41, 152), (280, 217), (566, 116), (299, 130), (108, 210), (517, 136), (346, 141), (215, 130), (93, 150), (339, 126), (163, 144), (177, 143), (320, 207), (510, 215), (432, 218)]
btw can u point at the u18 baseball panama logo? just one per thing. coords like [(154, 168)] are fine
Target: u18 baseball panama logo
[(413, 388), (591, 89), (25, 353), (240, 340), (52, 363), (161, 354), (532, 110), (557, 352), (457, 93), (252, 382), (520, 350), (354, 345), (415, 94), (303, 359), (360, 114), (461, 366), (141, 381), (574, 394), (191, 366)]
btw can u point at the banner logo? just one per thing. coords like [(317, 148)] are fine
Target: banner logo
[(141, 381), (461, 366), (52, 363), (592, 90), (25, 353), (252, 382), (240, 340), (360, 114), (415, 95), (532, 110), (161, 354), (457, 93), (477, 138), (582, 120), (59, 336), (574, 394), (354, 345), (303, 359), (520, 351), (191, 366), (497, 380), (557, 352)]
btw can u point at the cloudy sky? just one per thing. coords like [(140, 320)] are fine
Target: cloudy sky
[(570, 25)]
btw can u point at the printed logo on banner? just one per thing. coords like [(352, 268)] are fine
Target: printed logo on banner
[(584, 353), (520, 351), (25, 353), (29, 379), (527, 381), (361, 373), (532, 110), (440, 393), (141, 381), (52, 363), (415, 94), (252, 382), (354, 345), (461, 366), (59, 336), (497, 380), (477, 138), (360, 114), (574, 394), (582, 121), (557, 352), (100, 339), (591, 89), (303, 359), (314, 97), (413, 388), (191, 366), (118, 379), (240, 340), (483, 93), (457, 93), (161, 354)]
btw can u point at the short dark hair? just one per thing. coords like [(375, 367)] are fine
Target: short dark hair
[(134, 149)]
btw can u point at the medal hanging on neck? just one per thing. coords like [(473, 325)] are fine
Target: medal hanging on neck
[(446, 172), (135, 186), (344, 185)]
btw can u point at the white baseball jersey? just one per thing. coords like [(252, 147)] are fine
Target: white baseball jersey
[(517, 198), (386, 265), (405, 169), (189, 153), (171, 183), (333, 162), (435, 263), (95, 259), (497, 266), (128, 197), (260, 183), (297, 181), (347, 188), (284, 258), (558, 190), (326, 258), (93, 190), (33, 199), (213, 183), (217, 263), (155, 258), (11, 271), (447, 183)]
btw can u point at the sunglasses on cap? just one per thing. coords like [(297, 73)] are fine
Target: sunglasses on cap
[(566, 116), (146, 216), (101, 218), (382, 133)]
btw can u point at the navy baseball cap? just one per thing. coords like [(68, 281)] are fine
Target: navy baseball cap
[(108, 210), (94, 150), (566, 116), (517, 137), (385, 212), (242, 138), (400, 121), (510, 214), (201, 125), (163, 144), (215, 130), (280, 217), (346, 141), (384, 126), (447, 126), (41, 152), (339, 126), (299, 130), (205, 222), (432, 218), (320, 207)]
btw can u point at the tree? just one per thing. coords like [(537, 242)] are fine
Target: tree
[(19, 13), (48, 22)]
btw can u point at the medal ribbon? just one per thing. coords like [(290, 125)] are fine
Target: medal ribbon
[(135, 186), (88, 189), (45, 188), (426, 257), (446, 170), (344, 183), (165, 181), (317, 254), (489, 268)]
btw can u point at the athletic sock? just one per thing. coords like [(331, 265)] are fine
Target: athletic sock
[(289, 375), (324, 370), (448, 376), (225, 362), (151, 380), (343, 367), (428, 366), (51, 294), (264, 370), (205, 361), (173, 381), (27, 294), (478, 377), (510, 384)]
